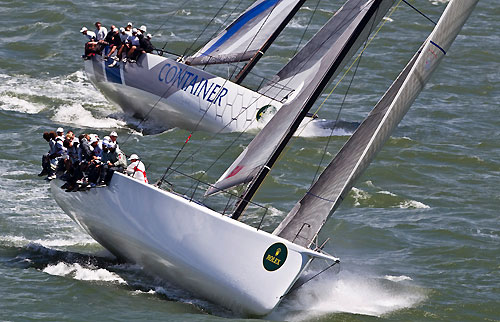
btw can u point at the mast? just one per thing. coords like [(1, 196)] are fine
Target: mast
[(308, 216), (253, 31), (307, 100), (253, 61)]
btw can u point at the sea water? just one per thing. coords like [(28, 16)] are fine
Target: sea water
[(418, 235)]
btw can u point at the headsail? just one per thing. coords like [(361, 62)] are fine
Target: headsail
[(245, 36), (336, 43), (308, 216)]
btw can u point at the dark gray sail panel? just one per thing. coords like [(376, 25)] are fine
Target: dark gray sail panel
[(305, 220), (338, 40), (303, 67)]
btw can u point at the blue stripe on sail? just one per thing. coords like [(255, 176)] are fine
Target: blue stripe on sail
[(240, 22), (444, 52), (113, 74)]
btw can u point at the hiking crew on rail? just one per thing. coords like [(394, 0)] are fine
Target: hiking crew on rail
[(87, 161), (124, 44)]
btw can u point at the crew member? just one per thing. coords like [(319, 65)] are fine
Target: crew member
[(91, 45), (136, 169)]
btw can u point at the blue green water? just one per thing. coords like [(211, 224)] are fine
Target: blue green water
[(419, 235)]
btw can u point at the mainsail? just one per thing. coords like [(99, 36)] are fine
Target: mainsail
[(305, 220), (333, 45), (246, 36)]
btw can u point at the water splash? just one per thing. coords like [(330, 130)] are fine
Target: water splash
[(349, 292)]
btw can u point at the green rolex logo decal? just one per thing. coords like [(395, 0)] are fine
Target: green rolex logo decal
[(265, 109), (275, 256)]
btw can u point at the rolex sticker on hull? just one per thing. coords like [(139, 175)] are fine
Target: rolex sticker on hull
[(275, 257), (265, 111)]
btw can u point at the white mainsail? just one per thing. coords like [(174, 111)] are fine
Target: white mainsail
[(245, 36), (305, 220)]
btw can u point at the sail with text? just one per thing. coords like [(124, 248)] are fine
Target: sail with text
[(246, 36), (305, 220), (330, 49)]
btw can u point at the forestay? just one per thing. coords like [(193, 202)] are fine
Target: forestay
[(328, 50), (244, 37), (308, 216)]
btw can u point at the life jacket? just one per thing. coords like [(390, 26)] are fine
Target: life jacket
[(143, 173)]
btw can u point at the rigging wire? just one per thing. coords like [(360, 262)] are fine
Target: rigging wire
[(342, 78), (341, 106), (314, 276), (307, 27), (182, 5), (204, 29), (358, 57), (420, 12), (187, 159), (206, 111)]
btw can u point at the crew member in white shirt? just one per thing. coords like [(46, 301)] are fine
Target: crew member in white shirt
[(91, 44), (136, 169), (100, 32)]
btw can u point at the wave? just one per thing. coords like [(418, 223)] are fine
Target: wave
[(68, 100), (382, 199)]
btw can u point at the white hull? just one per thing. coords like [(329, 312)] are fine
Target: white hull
[(212, 255), (182, 96)]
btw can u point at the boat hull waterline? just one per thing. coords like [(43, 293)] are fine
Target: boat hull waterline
[(215, 257), (173, 94)]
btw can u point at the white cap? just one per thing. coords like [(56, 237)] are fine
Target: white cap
[(122, 29), (129, 24), (116, 29), (134, 30), (60, 129), (149, 36), (113, 134), (93, 138), (143, 28), (134, 157), (106, 138), (83, 29)]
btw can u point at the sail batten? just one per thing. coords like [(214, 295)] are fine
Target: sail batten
[(248, 34), (356, 154)]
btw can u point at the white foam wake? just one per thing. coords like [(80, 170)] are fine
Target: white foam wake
[(70, 99), (79, 272), (349, 293)]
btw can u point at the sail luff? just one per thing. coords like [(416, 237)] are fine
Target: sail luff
[(307, 217), (304, 101)]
